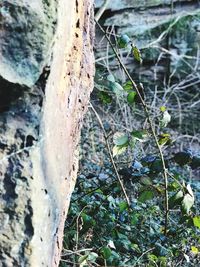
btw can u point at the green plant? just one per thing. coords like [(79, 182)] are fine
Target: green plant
[(144, 212)]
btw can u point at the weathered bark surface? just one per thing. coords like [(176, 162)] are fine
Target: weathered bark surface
[(46, 75)]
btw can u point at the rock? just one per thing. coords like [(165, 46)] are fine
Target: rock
[(139, 4), (40, 122), (26, 36)]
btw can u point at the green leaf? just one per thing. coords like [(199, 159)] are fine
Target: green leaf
[(117, 89), (146, 195), (106, 252), (164, 139), (196, 221), (123, 206), (162, 108), (137, 54), (183, 157), (128, 86), (165, 119), (111, 78), (118, 150), (134, 219), (187, 203), (145, 181), (139, 135), (92, 256), (82, 259), (105, 97), (194, 249), (176, 199), (131, 97), (123, 41), (120, 139)]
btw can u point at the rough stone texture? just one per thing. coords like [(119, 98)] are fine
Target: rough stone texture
[(139, 4), (168, 39), (26, 35), (145, 25), (40, 125)]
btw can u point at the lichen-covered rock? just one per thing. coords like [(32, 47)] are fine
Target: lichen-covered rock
[(40, 122), (26, 35)]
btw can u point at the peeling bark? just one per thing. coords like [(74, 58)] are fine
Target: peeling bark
[(40, 123)]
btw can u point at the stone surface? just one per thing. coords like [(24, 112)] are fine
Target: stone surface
[(39, 131), (141, 4), (26, 36)]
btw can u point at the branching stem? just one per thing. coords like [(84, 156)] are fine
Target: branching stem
[(110, 153), (165, 176)]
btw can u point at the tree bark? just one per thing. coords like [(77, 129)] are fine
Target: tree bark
[(46, 75)]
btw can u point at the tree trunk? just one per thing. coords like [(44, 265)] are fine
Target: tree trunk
[(46, 75)]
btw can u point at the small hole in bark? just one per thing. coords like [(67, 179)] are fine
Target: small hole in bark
[(76, 6), (46, 192), (41, 239), (76, 34), (78, 23), (58, 245), (68, 73), (75, 48), (73, 167), (49, 214), (79, 100)]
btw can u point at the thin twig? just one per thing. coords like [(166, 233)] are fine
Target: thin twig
[(150, 124), (110, 153), (77, 227), (101, 10)]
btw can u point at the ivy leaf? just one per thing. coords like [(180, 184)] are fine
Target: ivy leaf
[(92, 257), (146, 195), (164, 139), (82, 259), (139, 135), (120, 139), (111, 78), (187, 203), (105, 97), (165, 119), (196, 221), (118, 150), (123, 41), (123, 206), (194, 250), (183, 157), (137, 54), (176, 199), (131, 97), (117, 89), (128, 86), (106, 252)]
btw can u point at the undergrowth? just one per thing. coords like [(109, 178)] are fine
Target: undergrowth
[(136, 201)]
